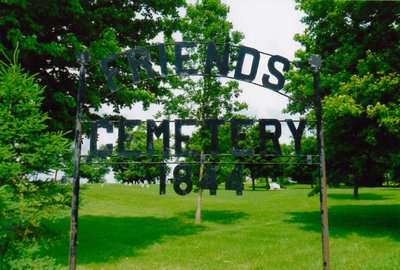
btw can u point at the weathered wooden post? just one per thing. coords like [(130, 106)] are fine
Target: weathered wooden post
[(316, 63), (82, 58)]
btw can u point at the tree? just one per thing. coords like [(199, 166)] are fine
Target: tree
[(358, 42), (26, 148), (51, 33), (94, 173), (259, 170), (305, 174), (207, 97)]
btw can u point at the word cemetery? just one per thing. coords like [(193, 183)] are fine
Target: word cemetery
[(163, 128)]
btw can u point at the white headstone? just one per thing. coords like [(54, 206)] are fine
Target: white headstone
[(274, 185)]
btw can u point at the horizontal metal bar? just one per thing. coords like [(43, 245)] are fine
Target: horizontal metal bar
[(198, 162), (173, 120), (219, 155)]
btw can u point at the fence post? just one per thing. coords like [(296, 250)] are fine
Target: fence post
[(82, 58), (316, 63)]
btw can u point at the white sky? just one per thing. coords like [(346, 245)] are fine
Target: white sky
[(269, 26)]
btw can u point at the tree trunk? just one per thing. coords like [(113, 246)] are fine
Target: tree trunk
[(312, 181), (252, 179), (200, 194), (355, 191), (198, 211), (55, 175), (203, 105)]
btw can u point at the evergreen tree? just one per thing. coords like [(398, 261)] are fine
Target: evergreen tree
[(26, 149)]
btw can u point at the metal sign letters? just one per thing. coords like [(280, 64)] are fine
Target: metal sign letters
[(164, 129), (140, 57)]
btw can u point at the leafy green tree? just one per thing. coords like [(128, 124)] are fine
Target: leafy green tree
[(94, 173), (278, 168), (51, 33), (304, 174), (207, 97), (26, 148), (358, 42), (258, 170)]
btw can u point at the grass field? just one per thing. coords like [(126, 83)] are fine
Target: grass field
[(129, 227)]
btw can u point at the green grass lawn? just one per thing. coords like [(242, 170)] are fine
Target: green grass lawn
[(129, 227)]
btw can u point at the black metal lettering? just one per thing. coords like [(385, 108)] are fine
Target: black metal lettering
[(93, 139), (214, 123), (163, 178), (235, 180), (109, 73), (209, 180), (236, 136), (152, 128), (163, 59), (297, 133), (212, 54), (183, 178), (123, 137), (180, 58), (254, 65), (264, 136), (179, 138), (143, 61), (271, 67)]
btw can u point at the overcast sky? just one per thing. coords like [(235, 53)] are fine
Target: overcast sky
[(268, 26)]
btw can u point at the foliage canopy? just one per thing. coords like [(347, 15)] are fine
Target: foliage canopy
[(51, 33), (358, 42)]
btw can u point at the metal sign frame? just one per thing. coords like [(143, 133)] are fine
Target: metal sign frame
[(140, 57)]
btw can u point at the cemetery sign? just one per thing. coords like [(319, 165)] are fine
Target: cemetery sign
[(144, 64)]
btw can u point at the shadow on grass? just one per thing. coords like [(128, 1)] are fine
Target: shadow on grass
[(105, 239), (364, 220), (221, 217), (362, 196), (102, 239)]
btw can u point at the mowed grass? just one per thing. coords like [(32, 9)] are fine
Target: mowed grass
[(130, 227)]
